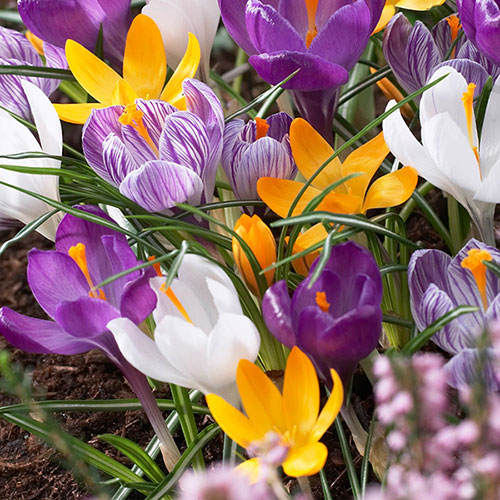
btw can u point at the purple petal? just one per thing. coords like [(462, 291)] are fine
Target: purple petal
[(279, 125), (86, 316), (487, 25), (441, 33), (468, 51), (269, 31), (37, 335), (117, 160), (12, 96), (138, 299), (233, 15), (296, 14), (315, 72), (54, 277), (55, 57), (14, 45), (351, 22), (232, 130), (471, 71), (466, 12), (99, 126), (277, 313), (159, 185)]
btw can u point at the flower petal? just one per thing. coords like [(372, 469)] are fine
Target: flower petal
[(277, 313), (76, 113), (306, 460)]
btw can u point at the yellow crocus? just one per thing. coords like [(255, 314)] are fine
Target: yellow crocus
[(390, 9), (257, 235), (304, 241), (294, 415), (144, 72)]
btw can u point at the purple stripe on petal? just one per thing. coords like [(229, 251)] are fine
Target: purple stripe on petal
[(37, 335), (159, 185), (441, 33), (14, 45), (279, 125), (155, 112), (117, 159), (470, 70), (12, 96), (232, 130)]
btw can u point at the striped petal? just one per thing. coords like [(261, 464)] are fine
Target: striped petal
[(118, 162)]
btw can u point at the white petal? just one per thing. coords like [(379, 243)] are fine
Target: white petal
[(489, 190), (226, 299), (490, 134), (142, 352)]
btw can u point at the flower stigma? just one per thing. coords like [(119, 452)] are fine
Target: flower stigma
[(474, 263), (468, 100), (78, 254), (323, 304), (454, 24), (262, 128), (312, 31), (133, 117)]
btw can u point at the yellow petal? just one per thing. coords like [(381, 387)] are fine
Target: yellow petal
[(366, 159), (94, 75), (387, 12), (330, 410), (304, 241), (305, 461), (123, 94), (76, 113), (300, 395), (250, 468), (236, 425), (278, 195), (419, 4), (261, 399), (187, 69), (391, 189), (144, 62), (310, 151)]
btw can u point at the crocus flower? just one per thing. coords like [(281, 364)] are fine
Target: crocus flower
[(257, 235), (439, 283), (261, 148), (16, 138), (155, 154), (337, 321), (177, 19), (310, 151), (56, 21), (414, 53), (16, 50), (292, 415), (321, 38), (480, 21), (305, 240), (64, 284), (451, 156), (144, 72), (201, 332)]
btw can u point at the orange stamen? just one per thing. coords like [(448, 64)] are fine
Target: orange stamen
[(312, 7), (36, 42), (78, 254), (262, 128), (474, 263), (454, 24), (468, 100), (322, 302), (177, 303), (156, 266), (133, 118)]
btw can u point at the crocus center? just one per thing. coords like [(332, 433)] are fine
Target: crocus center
[(322, 302), (468, 100), (454, 24), (474, 263), (78, 254), (262, 128), (312, 30), (133, 117)]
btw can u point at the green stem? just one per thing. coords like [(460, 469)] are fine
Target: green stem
[(241, 58), (454, 224)]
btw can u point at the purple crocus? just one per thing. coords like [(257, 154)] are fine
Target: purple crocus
[(481, 23), (63, 282), (155, 154), (338, 320), (55, 21), (323, 39), (16, 50), (260, 148), (414, 53), (439, 283)]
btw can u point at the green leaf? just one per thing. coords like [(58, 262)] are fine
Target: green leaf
[(422, 338), (37, 71), (349, 464), (136, 454), (197, 445)]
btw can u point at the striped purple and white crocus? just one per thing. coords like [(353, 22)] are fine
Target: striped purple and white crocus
[(438, 284), (155, 154), (16, 50)]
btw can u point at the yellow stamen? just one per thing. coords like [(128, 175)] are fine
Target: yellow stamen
[(262, 128), (468, 100), (156, 266), (455, 26), (312, 7), (474, 263), (78, 254), (133, 118), (177, 303), (322, 302)]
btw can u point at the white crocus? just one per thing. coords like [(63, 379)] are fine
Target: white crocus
[(16, 138), (451, 157), (177, 18), (201, 332)]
